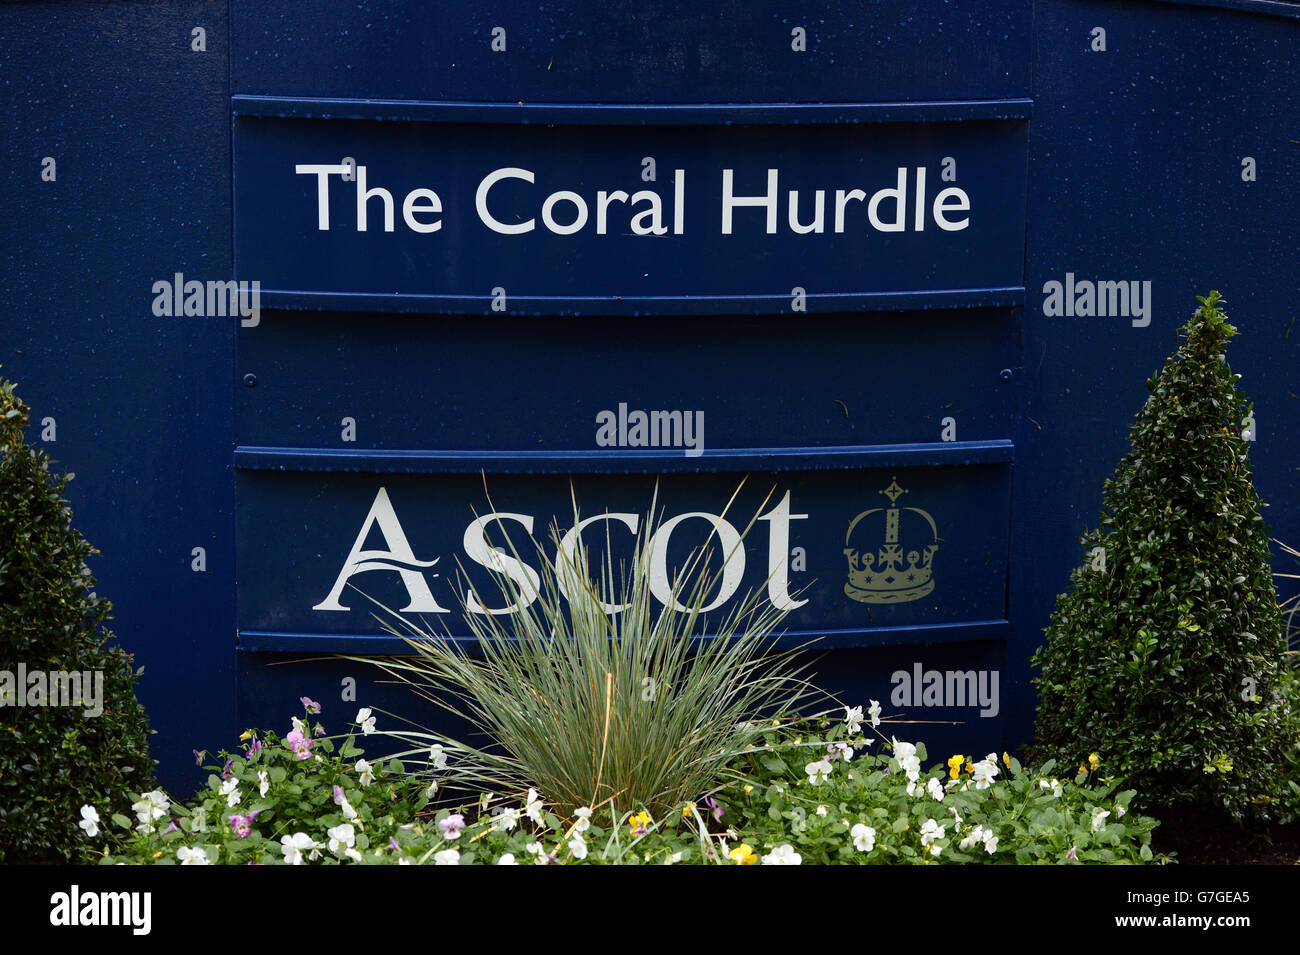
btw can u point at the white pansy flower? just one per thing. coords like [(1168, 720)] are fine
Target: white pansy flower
[(365, 771), (874, 713), (910, 763), (1053, 784), (447, 857), (188, 856), (578, 847), (365, 721), (584, 819), (89, 820), (151, 807), (935, 788), (783, 854), (263, 783), (533, 807), (990, 841), (1099, 819), (342, 836), (300, 727), (984, 771), (507, 859), (538, 853), (864, 837), (506, 820), (292, 847), (972, 837), (818, 772), (930, 831), (230, 789), (437, 756), (853, 717)]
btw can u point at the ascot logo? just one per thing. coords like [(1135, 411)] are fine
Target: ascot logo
[(398, 557)]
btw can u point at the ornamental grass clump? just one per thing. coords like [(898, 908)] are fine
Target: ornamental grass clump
[(1167, 653), (595, 693)]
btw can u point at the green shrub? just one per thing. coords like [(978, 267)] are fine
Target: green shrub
[(1167, 653), (54, 759)]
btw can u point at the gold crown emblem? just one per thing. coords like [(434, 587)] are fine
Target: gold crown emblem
[(899, 568)]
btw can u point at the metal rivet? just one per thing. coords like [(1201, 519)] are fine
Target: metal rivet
[(250, 380), (1005, 375)]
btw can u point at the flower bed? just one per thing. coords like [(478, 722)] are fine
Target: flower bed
[(815, 791)]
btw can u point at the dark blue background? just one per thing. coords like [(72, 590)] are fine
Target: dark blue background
[(1133, 172)]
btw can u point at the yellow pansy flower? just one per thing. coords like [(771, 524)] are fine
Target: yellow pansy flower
[(688, 809), (744, 854), (640, 823), (748, 789), (954, 765), (1094, 760), (1006, 759)]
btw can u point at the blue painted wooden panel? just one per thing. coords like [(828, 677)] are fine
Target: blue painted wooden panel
[(902, 546), (514, 383), (561, 219), (1136, 159), (136, 123), (649, 50)]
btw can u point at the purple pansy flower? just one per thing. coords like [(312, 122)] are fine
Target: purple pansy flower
[(300, 744), (716, 809), (243, 825)]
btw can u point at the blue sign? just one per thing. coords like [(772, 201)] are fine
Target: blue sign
[(732, 210), (861, 556)]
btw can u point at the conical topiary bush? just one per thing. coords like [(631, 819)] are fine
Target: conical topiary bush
[(56, 757), (1165, 657)]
